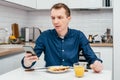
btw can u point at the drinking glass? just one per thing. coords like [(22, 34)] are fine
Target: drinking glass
[(79, 69)]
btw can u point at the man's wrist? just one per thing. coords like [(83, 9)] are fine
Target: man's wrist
[(24, 64)]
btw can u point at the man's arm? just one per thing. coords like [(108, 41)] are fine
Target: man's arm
[(29, 60), (93, 60)]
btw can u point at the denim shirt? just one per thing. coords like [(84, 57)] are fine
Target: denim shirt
[(63, 51)]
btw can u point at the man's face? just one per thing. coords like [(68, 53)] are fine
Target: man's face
[(60, 19)]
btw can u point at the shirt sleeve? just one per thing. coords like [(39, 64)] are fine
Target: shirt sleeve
[(87, 50), (39, 47)]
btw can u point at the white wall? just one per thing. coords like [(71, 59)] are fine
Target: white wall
[(88, 21), (116, 28), (10, 15)]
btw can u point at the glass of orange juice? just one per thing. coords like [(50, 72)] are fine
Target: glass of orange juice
[(78, 69)]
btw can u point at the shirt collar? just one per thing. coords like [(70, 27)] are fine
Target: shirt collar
[(56, 34)]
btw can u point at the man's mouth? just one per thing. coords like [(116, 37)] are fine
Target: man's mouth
[(57, 26)]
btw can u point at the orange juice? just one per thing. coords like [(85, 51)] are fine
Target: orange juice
[(79, 70)]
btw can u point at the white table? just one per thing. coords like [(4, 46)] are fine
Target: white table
[(20, 74)]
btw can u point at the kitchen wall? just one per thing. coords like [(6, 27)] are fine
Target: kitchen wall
[(88, 21), (9, 15)]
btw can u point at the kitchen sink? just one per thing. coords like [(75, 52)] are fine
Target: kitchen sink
[(11, 46)]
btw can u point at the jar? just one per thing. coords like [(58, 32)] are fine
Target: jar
[(90, 39)]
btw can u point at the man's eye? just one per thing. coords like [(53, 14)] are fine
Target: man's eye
[(60, 17), (53, 18)]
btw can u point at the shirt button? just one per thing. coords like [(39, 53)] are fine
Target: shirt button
[(62, 50), (62, 40), (63, 60)]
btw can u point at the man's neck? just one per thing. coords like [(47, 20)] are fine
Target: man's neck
[(63, 33)]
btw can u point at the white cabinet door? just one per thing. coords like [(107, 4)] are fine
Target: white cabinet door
[(47, 4), (14, 1), (10, 62), (85, 4), (44, 4), (106, 55), (28, 3)]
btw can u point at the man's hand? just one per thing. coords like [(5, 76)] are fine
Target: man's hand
[(29, 59), (97, 66)]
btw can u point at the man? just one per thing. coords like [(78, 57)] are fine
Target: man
[(62, 45)]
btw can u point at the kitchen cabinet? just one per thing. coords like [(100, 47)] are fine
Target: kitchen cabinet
[(47, 4), (74, 4), (10, 62), (85, 4), (106, 54), (27, 3), (14, 1)]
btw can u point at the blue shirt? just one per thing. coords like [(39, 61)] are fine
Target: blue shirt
[(63, 51)]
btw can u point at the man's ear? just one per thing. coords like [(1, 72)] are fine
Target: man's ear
[(69, 18)]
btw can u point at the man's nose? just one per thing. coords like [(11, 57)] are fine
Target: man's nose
[(56, 21)]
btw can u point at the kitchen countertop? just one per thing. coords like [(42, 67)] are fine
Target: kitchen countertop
[(9, 51), (101, 45), (15, 49), (20, 74)]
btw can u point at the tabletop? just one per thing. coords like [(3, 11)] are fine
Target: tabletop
[(43, 74)]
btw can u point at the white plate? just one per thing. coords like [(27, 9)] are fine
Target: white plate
[(58, 69)]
